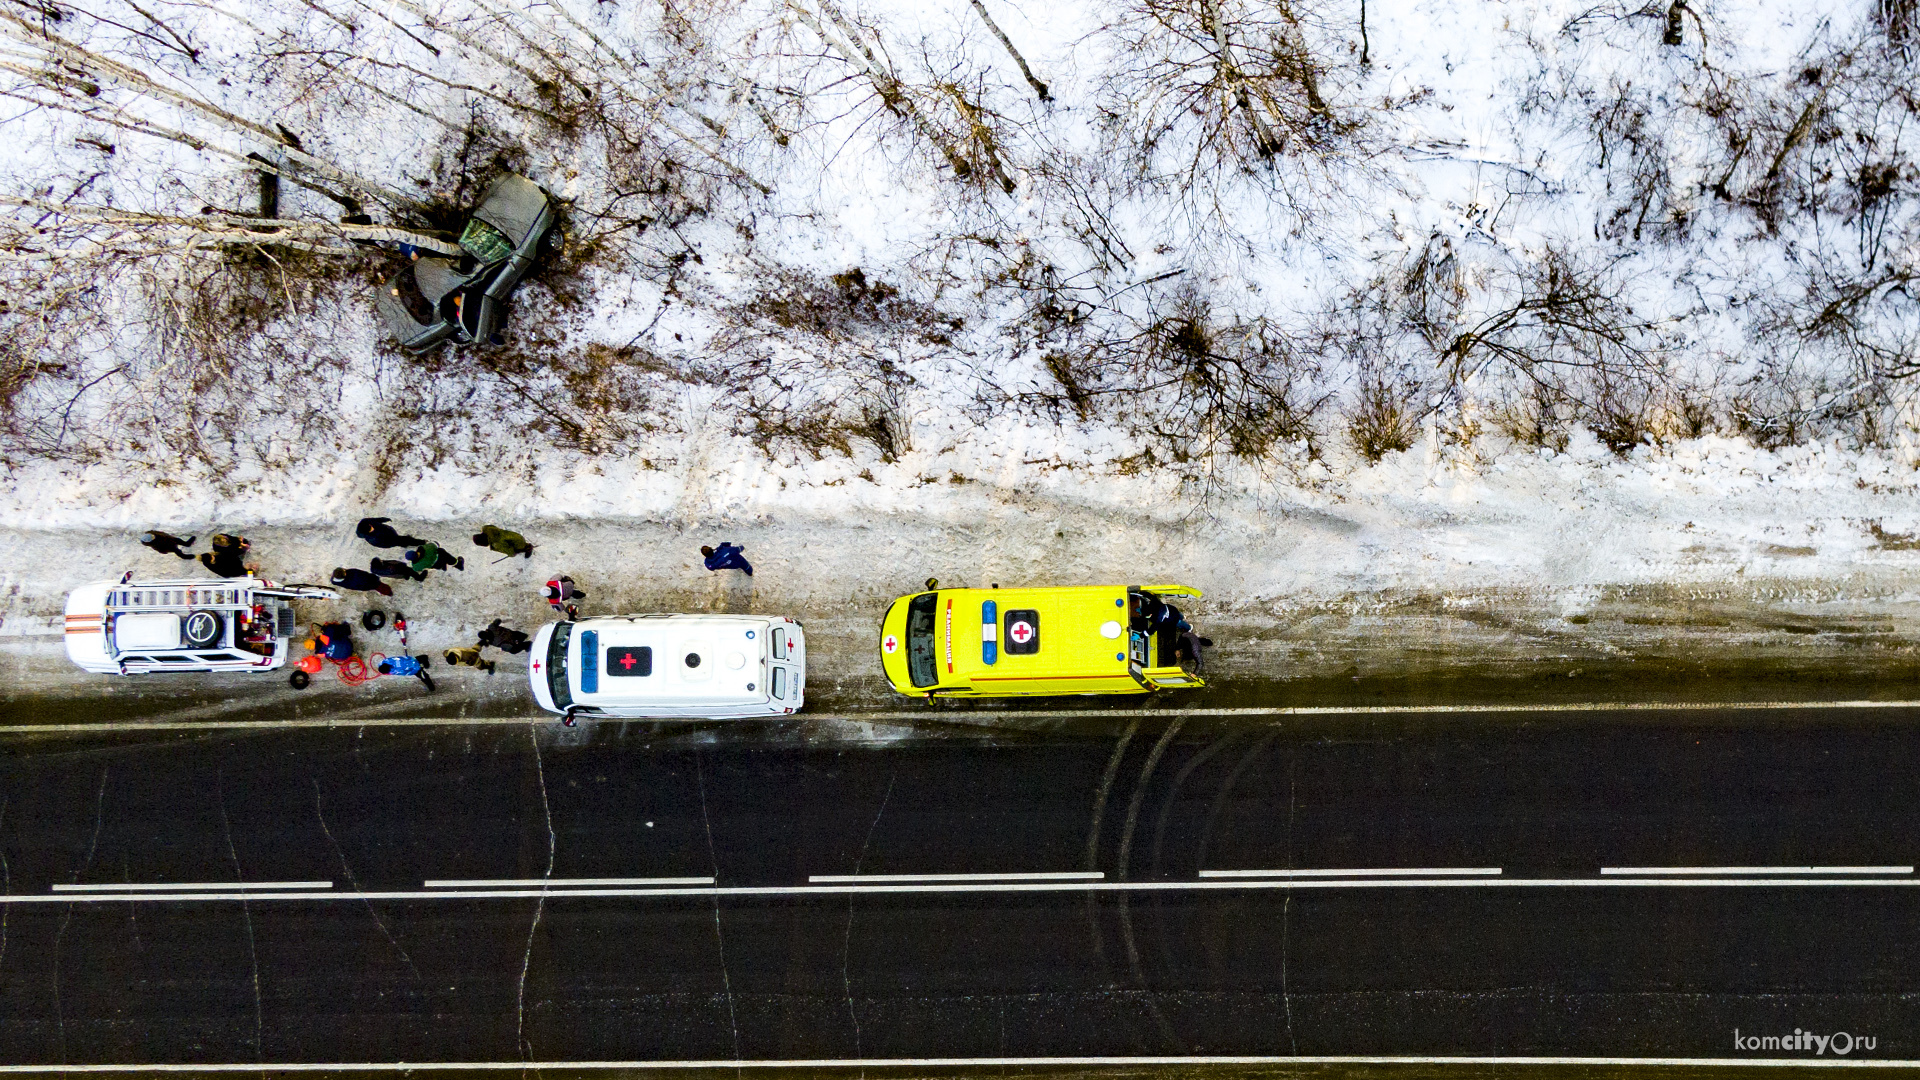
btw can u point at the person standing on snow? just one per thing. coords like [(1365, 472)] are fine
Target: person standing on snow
[(727, 557), (167, 543), (504, 638), (428, 556), (228, 557), (505, 541), (377, 532), (394, 568), (415, 666), (468, 657), (359, 581)]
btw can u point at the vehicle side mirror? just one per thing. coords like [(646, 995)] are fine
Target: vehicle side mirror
[(932, 584)]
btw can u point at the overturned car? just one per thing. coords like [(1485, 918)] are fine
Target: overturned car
[(438, 298)]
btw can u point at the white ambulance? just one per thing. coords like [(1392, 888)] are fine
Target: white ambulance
[(695, 667)]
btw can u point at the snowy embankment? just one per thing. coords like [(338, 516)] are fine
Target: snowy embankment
[(1433, 562)]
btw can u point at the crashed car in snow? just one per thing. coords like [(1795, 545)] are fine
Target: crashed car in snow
[(419, 306), (464, 299)]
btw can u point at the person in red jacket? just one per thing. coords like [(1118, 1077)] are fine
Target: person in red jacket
[(560, 594)]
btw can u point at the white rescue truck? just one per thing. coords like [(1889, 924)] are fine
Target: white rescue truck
[(694, 667), (131, 627)]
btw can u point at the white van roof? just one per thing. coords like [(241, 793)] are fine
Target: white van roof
[(669, 660)]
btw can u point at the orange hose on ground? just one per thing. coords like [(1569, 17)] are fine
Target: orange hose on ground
[(354, 671)]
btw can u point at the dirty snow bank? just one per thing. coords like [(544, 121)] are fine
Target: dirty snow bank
[(1000, 504)]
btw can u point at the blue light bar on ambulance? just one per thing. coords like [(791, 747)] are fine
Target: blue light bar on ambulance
[(989, 632)]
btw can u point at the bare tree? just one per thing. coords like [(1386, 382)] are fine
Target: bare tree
[(947, 109), (1212, 83), (1194, 382), (1039, 88), (814, 364), (59, 56)]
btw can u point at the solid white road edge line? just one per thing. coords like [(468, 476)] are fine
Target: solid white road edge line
[(1643, 871), (495, 883), (201, 886), (1474, 871), (1067, 875), (923, 1063), (919, 715), (1244, 885)]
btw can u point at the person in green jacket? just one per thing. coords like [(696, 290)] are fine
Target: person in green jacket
[(505, 541), (428, 556)]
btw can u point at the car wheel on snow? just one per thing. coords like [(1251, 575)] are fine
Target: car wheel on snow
[(202, 629), (299, 680), (373, 620)]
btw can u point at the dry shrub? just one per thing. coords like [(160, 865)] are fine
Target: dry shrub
[(1210, 84), (208, 356), (1382, 419), (818, 364), (1531, 417), (1194, 381)]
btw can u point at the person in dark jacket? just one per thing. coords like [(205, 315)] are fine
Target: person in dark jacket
[(1191, 648), (333, 640), (228, 557), (727, 557), (415, 666), (167, 544), (505, 541), (504, 638), (428, 556), (377, 532), (359, 581), (394, 568)]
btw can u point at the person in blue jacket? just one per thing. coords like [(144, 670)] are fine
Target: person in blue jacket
[(727, 557), (415, 666)]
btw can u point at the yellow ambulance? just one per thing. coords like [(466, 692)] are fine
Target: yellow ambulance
[(1082, 639)]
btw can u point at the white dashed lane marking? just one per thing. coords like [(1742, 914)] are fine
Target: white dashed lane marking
[(1472, 871), (854, 879), (981, 887), (207, 886), (558, 883), (1749, 871)]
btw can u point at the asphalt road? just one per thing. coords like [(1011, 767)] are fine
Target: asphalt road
[(618, 893)]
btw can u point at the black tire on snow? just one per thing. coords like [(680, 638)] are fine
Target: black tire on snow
[(373, 620), (202, 629)]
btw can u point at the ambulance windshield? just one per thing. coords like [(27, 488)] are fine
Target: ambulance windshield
[(921, 665)]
